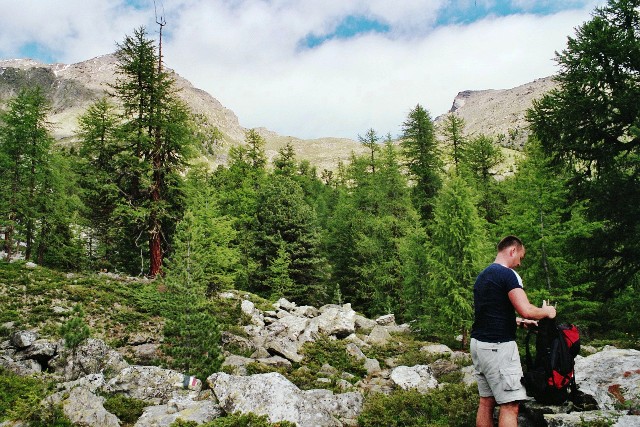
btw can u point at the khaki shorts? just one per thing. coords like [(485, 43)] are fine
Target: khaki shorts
[(498, 370)]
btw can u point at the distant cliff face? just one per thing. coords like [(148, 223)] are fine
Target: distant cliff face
[(72, 88), (500, 113)]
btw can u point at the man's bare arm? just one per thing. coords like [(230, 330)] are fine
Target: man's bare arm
[(527, 310)]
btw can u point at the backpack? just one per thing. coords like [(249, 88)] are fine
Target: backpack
[(549, 379)]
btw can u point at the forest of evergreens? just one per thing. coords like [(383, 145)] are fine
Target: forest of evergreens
[(403, 229)]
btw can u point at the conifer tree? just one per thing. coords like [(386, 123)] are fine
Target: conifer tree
[(453, 133), (591, 123), (458, 251), (154, 142), (25, 143), (422, 156), (542, 214)]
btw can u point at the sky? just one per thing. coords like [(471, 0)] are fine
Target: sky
[(314, 68)]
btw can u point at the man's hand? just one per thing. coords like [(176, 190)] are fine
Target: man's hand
[(526, 323), (550, 309)]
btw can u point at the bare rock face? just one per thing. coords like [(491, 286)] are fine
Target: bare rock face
[(92, 356), (611, 376), (153, 384), (200, 412), (499, 113), (280, 400)]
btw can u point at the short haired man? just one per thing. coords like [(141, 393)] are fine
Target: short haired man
[(497, 292)]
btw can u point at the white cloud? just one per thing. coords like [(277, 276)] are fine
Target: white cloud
[(246, 53)]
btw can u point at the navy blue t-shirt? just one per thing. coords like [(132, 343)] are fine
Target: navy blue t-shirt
[(495, 318)]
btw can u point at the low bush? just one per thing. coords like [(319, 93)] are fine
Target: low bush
[(452, 405)]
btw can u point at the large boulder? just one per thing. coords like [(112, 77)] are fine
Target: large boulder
[(92, 356), (201, 412), (153, 384), (336, 320), (23, 339), (611, 376), (280, 400), (81, 405), (419, 377)]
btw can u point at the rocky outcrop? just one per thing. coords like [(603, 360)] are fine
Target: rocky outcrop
[(276, 397), (274, 338)]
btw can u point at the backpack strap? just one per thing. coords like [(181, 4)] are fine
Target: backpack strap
[(529, 360)]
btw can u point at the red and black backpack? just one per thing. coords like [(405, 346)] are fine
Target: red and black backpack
[(550, 379)]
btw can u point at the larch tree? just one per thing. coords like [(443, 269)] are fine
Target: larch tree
[(156, 136), (592, 122), (423, 159)]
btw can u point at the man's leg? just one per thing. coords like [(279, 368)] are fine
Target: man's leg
[(509, 414), (485, 412)]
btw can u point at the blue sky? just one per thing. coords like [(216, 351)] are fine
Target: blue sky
[(312, 68)]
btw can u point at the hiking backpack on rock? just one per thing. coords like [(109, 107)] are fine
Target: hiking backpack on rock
[(550, 377)]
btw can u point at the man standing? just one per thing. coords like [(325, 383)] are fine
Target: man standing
[(496, 293)]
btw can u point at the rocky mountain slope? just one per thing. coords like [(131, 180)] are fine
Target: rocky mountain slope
[(311, 366), (72, 87), (500, 113)]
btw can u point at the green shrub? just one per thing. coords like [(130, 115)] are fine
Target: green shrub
[(75, 330), (452, 405), (127, 409), (21, 398)]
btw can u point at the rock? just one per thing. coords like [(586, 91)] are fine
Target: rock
[(84, 408), (23, 339), (39, 350), (588, 350), (386, 320), (354, 351), (91, 357), (578, 419), (305, 311), (260, 353), (285, 347), (609, 375), (379, 336), (236, 342), (153, 384), (249, 309), (442, 367), (237, 364), (436, 349), (372, 366), (284, 304), (139, 338), (339, 321), (20, 367), (419, 377), (275, 361), (346, 406), (276, 397), (353, 338), (146, 352), (200, 412), (364, 324)]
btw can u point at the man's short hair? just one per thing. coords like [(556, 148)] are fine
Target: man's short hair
[(508, 242)]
